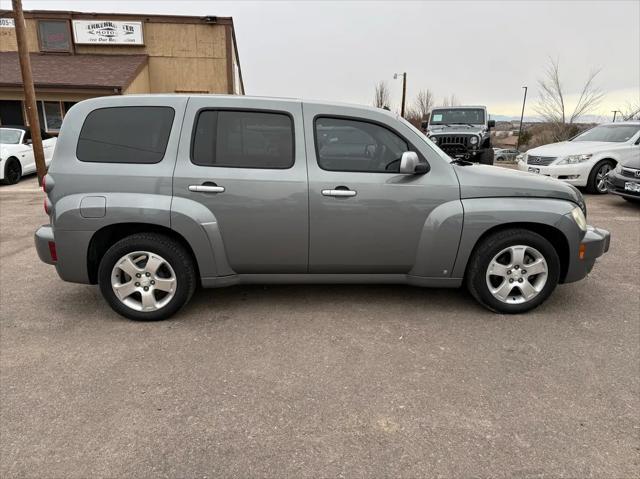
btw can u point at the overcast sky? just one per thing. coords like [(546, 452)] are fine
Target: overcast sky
[(481, 51)]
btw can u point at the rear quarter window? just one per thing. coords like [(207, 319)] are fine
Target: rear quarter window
[(128, 134)]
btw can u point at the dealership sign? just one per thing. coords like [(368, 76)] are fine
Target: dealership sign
[(109, 32)]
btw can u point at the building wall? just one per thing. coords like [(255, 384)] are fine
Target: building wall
[(183, 57), (140, 84)]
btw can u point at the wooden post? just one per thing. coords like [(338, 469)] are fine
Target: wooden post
[(404, 93), (29, 90)]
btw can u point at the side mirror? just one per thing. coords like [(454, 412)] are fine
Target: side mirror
[(424, 124), (410, 164), (491, 123), (28, 142)]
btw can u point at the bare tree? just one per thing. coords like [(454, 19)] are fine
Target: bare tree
[(423, 104), (552, 105), (631, 111), (414, 116), (450, 101), (381, 95)]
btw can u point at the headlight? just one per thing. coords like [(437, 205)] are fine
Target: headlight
[(473, 140), (578, 217), (573, 159), (434, 139)]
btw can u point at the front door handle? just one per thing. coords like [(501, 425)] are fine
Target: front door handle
[(339, 193), (206, 188)]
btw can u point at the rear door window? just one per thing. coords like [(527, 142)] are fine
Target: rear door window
[(243, 139), (131, 134)]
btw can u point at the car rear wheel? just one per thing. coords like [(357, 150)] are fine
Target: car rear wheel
[(597, 182), (147, 277), (513, 271), (12, 171)]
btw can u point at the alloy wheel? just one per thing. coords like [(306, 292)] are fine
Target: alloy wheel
[(601, 175), (13, 172), (143, 281), (517, 274)]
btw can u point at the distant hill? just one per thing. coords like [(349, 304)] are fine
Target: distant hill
[(537, 119)]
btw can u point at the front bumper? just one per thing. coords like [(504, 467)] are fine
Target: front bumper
[(594, 244), (577, 174), (616, 182), (44, 240)]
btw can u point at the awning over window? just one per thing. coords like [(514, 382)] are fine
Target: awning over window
[(73, 71)]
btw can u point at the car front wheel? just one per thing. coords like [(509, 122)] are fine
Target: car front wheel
[(12, 171), (147, 277), (513, 271), (597, 182)]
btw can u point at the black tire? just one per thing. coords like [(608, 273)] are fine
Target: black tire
[(173, 252), (592, 182), (12, 171), (486, 157), (493, 244)]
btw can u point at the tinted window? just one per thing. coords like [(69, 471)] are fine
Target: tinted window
[(351, 145), (243, 139), (54, 35), (132, 134)]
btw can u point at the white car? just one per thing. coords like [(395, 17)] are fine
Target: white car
[(586, 159), (16, 153)]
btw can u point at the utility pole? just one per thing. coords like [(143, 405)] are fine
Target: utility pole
[(614, 114), (29, 90), (404, 90), (524, 100)]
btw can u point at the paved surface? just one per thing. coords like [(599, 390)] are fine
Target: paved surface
[(316, 381)]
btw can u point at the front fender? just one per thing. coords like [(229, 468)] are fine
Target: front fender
[(483, 214), (439, 241)]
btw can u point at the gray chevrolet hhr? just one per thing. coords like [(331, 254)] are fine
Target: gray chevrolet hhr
[(150, 196)]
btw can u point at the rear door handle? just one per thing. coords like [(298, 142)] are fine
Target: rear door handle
[(206, 188), (339, 193)]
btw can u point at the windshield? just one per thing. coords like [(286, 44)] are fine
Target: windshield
[(614, 133), (10, 136), (457, 116)]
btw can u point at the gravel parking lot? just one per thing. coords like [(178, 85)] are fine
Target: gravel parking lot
[(319, 381)]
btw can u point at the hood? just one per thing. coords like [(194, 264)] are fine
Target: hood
[(456, 129), (565, 148), (484, 181)]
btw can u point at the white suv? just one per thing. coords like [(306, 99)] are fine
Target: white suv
[(586, 159)]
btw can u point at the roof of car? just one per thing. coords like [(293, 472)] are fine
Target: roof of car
[(15, 127), (249, 98), (626, 122)]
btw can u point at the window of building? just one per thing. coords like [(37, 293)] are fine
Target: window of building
[(50, 115), (54, 36), (11, 112), (243, 139), (351, 145), (132, 134)]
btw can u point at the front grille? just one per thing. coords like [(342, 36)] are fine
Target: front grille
[(452, 140), (540, 160), (630, 172)]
